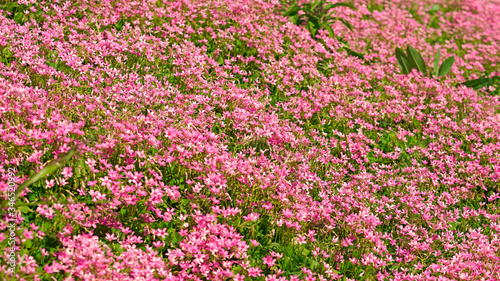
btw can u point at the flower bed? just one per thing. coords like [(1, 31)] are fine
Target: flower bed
[(218, 140)]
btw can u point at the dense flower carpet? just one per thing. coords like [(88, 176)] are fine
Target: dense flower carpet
[(248, 140)]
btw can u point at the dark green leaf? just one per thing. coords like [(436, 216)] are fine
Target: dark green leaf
[(314, 20), (411, 64), (340, 4), (330, 30), (315, 4), (312, 29), (436, 62), (343, 41), (354, 53), (446, 66), (477, 84), (347, 24), (292, 11), (402, 61), (307, 8), (414, 58), (300, 19), (119, 24), (19, 17)]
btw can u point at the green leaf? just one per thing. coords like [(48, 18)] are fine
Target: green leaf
[(305, 252), (340, 4), (346, 23), (453, 225), (314, 20), (45, 226), (316, 4), (292, 11), (301, 19), (286, 262), (402, 61), (119, 24), (306, 8), (354, 53), (477, 84), (33, 197), (312, 29), (415, 59), (343, 41), (25, 209), (293, 19), (446, 66), (330, 31), (436, 62), (19, 17)]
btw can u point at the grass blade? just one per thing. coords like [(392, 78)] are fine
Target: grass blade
[(49, 169)]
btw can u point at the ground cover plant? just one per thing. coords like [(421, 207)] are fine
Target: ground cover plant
[(227, 140)]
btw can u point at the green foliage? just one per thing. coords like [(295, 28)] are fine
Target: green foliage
[(402, 61), (20, 12), (482, 82), (445, 66), (316, 16), (413, 60)]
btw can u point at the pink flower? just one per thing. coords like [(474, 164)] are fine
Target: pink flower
[(301, 239), (111, 237), (44, 252), (67, 172), (158, 244), (28, 234), (254, 272), (269, 260), (252, 217), (239, 277), (254, 242), (50, 183)]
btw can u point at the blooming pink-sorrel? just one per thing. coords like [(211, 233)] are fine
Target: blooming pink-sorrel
[(218, 140)]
